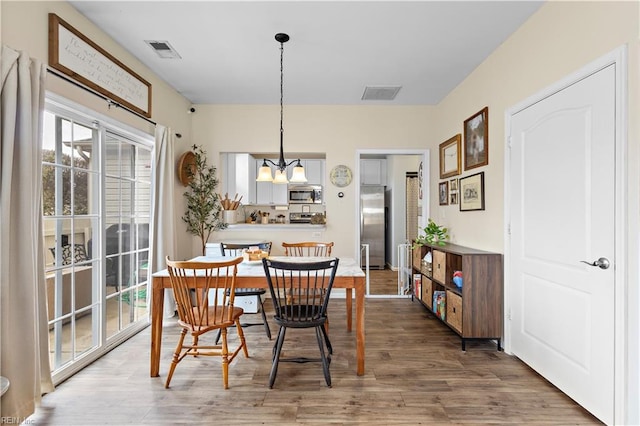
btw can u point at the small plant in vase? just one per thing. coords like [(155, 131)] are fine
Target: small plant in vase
[(203, 215), (433, 233)]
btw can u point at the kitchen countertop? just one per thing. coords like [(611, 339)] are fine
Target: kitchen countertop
[(275, 226)]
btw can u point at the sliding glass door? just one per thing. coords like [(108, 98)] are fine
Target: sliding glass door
[(96, 214)]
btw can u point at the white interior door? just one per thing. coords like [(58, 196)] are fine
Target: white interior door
[(562, 205)]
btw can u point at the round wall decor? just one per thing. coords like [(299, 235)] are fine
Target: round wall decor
[(187, 160), (341, 175)]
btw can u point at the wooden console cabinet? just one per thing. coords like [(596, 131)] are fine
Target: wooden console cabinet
[(473, 311)]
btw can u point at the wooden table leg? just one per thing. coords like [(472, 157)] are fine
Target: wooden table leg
[(360, 290), (157, 308), (349, 300)]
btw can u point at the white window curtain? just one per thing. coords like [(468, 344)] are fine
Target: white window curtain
[(24, 345), (164, 229)]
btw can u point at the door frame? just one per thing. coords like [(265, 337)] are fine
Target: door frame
[(425, 153), (623, 393)]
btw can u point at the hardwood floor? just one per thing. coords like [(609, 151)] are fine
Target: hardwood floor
[(383, 282), (415, 373)]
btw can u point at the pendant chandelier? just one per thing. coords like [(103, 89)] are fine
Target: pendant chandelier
[(264, 174)]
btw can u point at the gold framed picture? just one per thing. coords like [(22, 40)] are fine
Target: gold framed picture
[(476, 139), (450, 157)]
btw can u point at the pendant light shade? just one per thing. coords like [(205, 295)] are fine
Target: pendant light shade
[(298, 175), (264, 174)]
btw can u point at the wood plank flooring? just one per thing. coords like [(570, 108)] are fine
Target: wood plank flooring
[(383, 282), (415, 373)]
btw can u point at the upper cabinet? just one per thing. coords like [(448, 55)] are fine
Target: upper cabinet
[(314, 170), (373, 171), (238, 176), (267, 192)]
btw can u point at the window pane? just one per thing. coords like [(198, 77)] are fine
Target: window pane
[(142, 199), (80, 192), (112, 160), (86, 228), (60, 343), (143, 165), (48, 187), (85, 339), (113, 315), (112, 198), (59, 292), (126, 198), (127, 160), (82, 142), (83, 286)]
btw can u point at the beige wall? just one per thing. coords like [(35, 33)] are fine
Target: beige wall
[(337, 131), (25, 27), (559, 39)]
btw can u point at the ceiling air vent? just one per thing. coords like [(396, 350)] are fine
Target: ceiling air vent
[(380, 93), (163, 49)]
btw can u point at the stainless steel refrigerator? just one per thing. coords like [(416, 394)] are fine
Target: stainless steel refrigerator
[(372, 224)]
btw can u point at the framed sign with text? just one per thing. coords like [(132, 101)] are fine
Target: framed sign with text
[(73, 54)]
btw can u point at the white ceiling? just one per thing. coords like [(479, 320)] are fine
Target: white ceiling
[(230, 56)]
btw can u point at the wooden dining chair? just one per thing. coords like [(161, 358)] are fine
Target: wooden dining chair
[(194, 284), (300, 292), (233, 249), (308, 248)]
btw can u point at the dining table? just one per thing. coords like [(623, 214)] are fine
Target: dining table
[(251, 274)]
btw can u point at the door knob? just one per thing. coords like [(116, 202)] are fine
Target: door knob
[(602, 263)]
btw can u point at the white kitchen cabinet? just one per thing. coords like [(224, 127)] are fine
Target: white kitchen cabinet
[(267, 192), (373, 171), (238, 176), (314, 170)]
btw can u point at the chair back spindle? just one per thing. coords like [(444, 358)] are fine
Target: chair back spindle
[(308, 248)]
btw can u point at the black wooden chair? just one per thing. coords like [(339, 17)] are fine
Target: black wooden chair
[(232, 249), (300, 293)]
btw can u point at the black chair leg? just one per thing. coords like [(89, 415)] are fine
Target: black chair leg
[(326, 339), (325, 360), (264, 318), (276, 356)]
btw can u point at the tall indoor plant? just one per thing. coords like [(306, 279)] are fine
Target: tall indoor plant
[(203, 203)]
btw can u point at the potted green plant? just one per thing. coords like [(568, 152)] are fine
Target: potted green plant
[(433, 233), (203, 215)]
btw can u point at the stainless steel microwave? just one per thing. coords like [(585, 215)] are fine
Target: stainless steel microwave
[(304, 194)]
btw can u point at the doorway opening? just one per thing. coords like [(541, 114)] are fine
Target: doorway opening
[(387, 169)]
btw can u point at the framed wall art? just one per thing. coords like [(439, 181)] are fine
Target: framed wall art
[(450, 158), (453, 198), (476, 140), (443, 193), (471, 190), (75, 55)]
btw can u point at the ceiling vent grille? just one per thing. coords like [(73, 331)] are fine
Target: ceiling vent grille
[(380, 93), (163, 49)]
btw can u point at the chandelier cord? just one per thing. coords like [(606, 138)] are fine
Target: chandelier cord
[(282, 162)]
